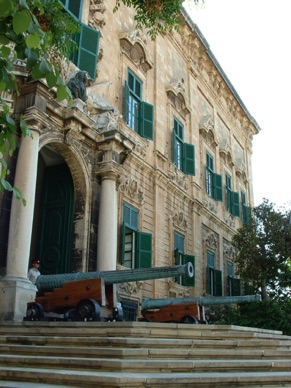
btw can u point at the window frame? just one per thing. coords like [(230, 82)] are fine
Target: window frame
[(181, 258), (213, 181), (183, 154), (213, 276)]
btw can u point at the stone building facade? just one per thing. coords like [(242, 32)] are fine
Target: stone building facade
[(152, 168)]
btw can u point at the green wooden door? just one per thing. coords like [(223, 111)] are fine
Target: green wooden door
[(56, 221)]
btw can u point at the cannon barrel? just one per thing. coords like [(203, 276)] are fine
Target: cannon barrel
[(45, 283), (203, 301)]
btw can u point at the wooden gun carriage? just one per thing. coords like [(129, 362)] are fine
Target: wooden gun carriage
[(186, 310), (90, 296)]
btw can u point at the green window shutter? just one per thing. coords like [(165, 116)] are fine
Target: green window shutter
[(176, 256), (147, 121), (188, 159), (217, 184), (217, 282), (87, 55), (144, 250), (208, 279), (229, 285), (122, 243), (236, 287), (126, 102), (130, 216), (74, 7), (186, 281), (235, 203), (174, 148)]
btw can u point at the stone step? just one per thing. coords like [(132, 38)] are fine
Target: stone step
[(146, 365), (45, 340), (139, 329), (144, 352), (142, 379)]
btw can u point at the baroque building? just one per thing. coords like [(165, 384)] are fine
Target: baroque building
[(150, 166)]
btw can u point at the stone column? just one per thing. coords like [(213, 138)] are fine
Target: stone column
[(107, 224), (15, 289)]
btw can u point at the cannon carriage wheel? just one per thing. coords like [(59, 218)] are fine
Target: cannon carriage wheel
[(34, 312), (88, 310), (189, 319)]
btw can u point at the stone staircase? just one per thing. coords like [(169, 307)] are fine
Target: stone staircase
[(141, 354)]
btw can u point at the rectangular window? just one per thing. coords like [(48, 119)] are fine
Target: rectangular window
[(213, 180), (233, 284), (138, 114), (214, 276), (181, 258), (87, 40), (136, 246), (183, 153), (232, 197)]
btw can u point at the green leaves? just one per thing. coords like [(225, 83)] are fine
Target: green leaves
[(21, 21)]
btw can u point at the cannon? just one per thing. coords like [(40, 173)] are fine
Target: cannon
[(186, 310), (90, 296)]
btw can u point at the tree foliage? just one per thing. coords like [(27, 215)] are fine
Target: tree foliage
[(158, 16), (29, 30), (263, 250)]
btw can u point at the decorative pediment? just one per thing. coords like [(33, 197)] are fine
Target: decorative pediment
[(240, 170), (206, 129), (134, 45), (228, 250), (132, 188), (225, 152), (176, 94)]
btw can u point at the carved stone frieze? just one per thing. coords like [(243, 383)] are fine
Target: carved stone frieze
[(178, 178), (131, 187), (228, 250), (134, 45), (216, 82), (177, 95)]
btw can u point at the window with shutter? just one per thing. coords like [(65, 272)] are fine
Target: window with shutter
[(85, 56), (213, 180), (136, 246), (138, 114), (213, 276), (246, 211), (183, 154)]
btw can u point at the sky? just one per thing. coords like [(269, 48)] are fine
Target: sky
[(251, 39)]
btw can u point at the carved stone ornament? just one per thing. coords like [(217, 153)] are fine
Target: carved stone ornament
[(134, 44), (177, 291), (96, 11), (210, 204), (240, 168), (130, 186), (225, 152), (132, 288), (178, 178), (140, 145), (228, 250), (211, 241), (176, 94), (206, 129), (179, 220), (229, 219)]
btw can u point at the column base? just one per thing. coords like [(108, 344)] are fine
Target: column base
[(15, 293)]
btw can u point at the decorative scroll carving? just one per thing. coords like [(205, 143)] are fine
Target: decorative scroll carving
[(134, 45), (96, 17), (176, 94), (132, 188), (228, 250), (225, 152), (206, 129)]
